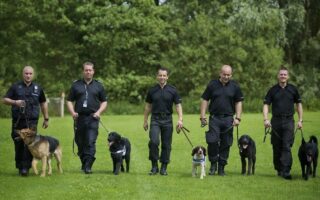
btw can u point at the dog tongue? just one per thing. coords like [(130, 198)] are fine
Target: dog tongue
[(110, 143), (309, 158)]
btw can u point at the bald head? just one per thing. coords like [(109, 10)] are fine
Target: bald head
[(225, 74), (27, 73)]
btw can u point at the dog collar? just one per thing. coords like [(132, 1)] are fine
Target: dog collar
[(199, 160), (121, 151), (36, 139)]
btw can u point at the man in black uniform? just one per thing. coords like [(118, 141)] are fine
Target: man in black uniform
[(282, 96), (159, 102), (225, 98), (25, 97), (90, 101)]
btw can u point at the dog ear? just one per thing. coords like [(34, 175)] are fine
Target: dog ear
[(194, 151), (17, 131), (204, 151)]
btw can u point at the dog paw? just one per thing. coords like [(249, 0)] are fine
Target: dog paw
[(42, 175)]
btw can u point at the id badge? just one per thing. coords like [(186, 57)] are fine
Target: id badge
[(85, 104)]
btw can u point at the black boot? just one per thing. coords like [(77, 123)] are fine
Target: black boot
[(163, 170), (154, 169), (221, 170), (87, 166), (213, 168)]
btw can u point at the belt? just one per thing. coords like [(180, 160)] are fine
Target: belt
[(85, 114), (161, 115), (221, 115), (283, 116)]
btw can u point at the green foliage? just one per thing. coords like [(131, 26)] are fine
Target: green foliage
[(128, 87), (126, 39)]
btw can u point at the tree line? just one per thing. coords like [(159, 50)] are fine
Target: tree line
[(126, 39)]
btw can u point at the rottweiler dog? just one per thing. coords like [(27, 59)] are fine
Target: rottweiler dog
[(42, 148), (120, 148), (308, 154), (247, 149)]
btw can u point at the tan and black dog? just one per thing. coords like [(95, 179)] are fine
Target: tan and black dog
[(42, 148)]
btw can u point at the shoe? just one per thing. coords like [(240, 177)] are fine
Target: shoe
[(87, 170), (163, 170), (279, 173), (287, 176), (213, 168), (154, 169), (23, 172), (221, 170)]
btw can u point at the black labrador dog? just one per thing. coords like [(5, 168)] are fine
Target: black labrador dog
[(247, 149), (308, 154), (120, 149)]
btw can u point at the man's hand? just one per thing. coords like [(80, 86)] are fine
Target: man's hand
[(267, 123), (145, 126), (45, 123), (75, 115), (236, 121), (203, 121), (96, 115), (299, 125)]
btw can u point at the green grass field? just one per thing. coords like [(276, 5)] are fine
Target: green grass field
[(137, 184)]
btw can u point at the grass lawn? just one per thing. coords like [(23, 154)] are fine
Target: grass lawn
[(137, 184)]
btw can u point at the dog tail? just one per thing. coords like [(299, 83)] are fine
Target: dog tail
[(313, 139)]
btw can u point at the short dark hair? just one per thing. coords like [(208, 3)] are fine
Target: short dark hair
[(88, 63), (162, 68), (282, 67)]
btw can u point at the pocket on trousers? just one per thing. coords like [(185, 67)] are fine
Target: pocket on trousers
[(211, 137)]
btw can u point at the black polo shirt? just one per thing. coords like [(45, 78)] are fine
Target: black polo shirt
[(32, 94), (282, 99), (222, 97), (87, 97), (162, 98)]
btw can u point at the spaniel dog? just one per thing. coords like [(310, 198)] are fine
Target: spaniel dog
[(199, 159), (120, 149)]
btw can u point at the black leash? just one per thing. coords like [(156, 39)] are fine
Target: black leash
[(269, 130), (184, 129), (104, 126), (22, 113), (74, 135), (238, 135), (300, 132)]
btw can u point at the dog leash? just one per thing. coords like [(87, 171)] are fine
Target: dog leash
[(107, 130), (269, 130), (74, 135), (184, 129), (300, 132)]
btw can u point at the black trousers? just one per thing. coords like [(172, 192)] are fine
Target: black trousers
[(86, 137), (282, 138), (161, 128), (219, 138), (23, 157)]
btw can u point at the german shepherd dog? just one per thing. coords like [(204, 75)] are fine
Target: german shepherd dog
[(308, 153), (42, 148), (247, 149), (120, 148)]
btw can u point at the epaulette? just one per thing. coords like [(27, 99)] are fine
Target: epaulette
[(77, 80)]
